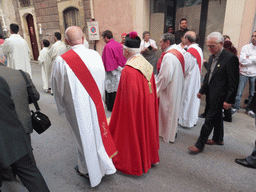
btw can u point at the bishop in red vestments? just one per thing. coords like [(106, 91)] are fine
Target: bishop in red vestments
[(134, 120)]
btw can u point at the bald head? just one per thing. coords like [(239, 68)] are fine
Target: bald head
[(190, 37), (74, 35)]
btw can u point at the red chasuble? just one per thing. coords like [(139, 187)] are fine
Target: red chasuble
[(85, 77), (134, 123), (195, 53)]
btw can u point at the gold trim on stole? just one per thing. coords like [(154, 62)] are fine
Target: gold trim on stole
[(140, 63)]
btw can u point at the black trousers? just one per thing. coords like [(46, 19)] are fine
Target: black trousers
[(110, 100), (29, 174), (227, 114), (213, 121)]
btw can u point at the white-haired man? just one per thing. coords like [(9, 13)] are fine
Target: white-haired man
[(169, 82), (134, 120), (78, 86), (193, 61), (220, 86)]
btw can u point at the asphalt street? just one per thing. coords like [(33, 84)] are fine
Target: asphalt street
[(212, 170)]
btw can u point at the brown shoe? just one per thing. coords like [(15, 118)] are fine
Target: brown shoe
[(211, 142), (194, 150)]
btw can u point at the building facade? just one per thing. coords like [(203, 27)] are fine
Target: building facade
[(39, 19)]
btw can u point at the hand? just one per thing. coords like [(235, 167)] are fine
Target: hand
[(199, 95), (226, 105), (146, 49), (154, 49)]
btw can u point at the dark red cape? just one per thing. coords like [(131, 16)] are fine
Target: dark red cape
[(134, 123)]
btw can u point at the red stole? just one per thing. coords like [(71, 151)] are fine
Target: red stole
[(177, 54), (195, 53), (158, 66), (85, 77)]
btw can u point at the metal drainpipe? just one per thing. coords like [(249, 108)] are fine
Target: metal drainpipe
[(92, 13)]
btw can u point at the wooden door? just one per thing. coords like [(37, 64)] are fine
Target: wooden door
[(32, 35)]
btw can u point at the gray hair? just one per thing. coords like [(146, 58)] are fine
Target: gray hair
[(168, 37), (144, 33), (217, 36), (132, 51), (190, 37)]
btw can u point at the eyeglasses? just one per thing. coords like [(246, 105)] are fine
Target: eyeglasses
[(211, 46)]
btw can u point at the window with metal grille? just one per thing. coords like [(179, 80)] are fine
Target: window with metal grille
[(25, 3)]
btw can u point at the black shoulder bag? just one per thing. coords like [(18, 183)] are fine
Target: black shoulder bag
[(40, 121)]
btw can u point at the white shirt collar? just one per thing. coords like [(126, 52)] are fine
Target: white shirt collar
[(77, 46)]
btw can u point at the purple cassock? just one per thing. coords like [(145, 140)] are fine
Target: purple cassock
[(112, 55)]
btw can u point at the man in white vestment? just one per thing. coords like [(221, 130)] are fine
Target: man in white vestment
[(169, 84), (58, 48), (73, 99), (17, 51), (182, 46), (190, 103), (45, 61)]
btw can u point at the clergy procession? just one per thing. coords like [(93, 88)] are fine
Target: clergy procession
[(148, 100)]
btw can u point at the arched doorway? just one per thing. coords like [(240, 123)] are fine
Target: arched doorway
[(71, 17), (32, 35)]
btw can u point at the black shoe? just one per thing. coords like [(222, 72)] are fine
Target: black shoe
[(244, 163), (227, 119), (81, 174), (203, 115)]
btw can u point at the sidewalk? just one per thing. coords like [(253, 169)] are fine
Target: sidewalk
[(212, 170)]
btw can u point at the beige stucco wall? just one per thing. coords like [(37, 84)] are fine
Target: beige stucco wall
[(233, 19), (121, 16), (241, 34), (247, 23), (8, 12), (156, 29), (141, 15), (116, 16)]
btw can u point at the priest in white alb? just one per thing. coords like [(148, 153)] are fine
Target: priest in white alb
[(58, 48), (78, 86), (17, 51), (169, 84), (193, 61), (45, 61)]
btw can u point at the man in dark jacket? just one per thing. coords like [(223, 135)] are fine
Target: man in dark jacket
[(19, 96), (220, 87), (183, 29), (15, 148)]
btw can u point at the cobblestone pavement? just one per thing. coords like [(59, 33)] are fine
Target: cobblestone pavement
[(212, 170)]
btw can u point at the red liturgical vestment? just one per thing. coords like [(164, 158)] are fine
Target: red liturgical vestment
[(134, 120)]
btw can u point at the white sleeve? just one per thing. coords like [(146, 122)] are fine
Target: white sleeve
[(6, 47), (141, 46), (154, 44), (59, 74), (253, 59), (53, 53), (42, 57), (243, 60), (189, 59), (165, 74)]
